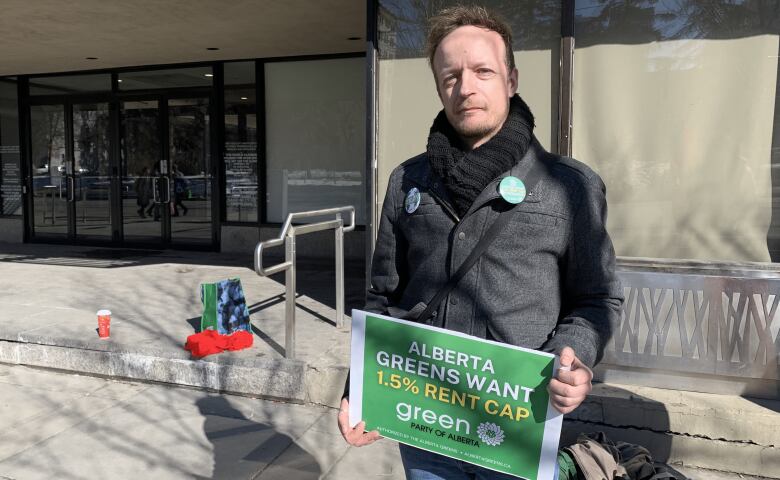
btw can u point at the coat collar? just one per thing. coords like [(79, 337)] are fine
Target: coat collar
[(520, 170), (431, 182)]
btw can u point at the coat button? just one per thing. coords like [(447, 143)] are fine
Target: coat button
[(453, 301), (462, 235)]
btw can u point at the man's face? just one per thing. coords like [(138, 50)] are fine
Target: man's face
[(473, 82)]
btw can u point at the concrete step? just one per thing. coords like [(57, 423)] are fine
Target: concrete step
[(295, 381)]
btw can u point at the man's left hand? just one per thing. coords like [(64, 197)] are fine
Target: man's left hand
[(570, 387)]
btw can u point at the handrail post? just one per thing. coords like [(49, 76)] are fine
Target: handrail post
[(289, 309), (287, 236), (339, 272)]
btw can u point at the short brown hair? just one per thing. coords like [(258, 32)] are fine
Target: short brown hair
[(451, 18)]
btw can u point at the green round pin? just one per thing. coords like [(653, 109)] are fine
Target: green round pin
[(512, 189)]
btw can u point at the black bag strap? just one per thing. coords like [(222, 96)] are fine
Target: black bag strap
[(532, 178)]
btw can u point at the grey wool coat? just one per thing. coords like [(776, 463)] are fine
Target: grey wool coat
[(547, 281)]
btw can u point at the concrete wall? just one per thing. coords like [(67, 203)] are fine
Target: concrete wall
[(11, 230)]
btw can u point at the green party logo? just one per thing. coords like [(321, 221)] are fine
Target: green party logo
[(490, 433)]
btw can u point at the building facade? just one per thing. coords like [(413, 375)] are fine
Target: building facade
[(206, 154), (312, 104)]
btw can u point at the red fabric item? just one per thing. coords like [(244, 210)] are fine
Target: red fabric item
[(209, 342)]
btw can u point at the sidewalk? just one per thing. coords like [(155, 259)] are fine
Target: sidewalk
[(49, 296), (70, 427)]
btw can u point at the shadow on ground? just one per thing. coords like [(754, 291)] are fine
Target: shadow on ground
[(229, 431)]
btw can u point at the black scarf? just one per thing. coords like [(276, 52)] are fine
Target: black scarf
[(466, 173)]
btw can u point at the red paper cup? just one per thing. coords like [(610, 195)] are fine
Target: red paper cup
[(104, 323)]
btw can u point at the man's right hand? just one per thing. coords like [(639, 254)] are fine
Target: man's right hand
[(357, 437)]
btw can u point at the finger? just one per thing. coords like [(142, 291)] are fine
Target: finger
[(562, 409), (577, 365), (355, 436), (565, 404), (558, 405), (567, 357), (358, 431), (559, 401), (577, 377), (343, 418), (368, 438), (565, 390)]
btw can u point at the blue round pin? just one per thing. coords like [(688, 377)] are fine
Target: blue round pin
[(412, 200), (512, 189)]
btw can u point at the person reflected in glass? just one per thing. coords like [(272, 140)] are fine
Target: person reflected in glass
[(143, 191), (181, 190), (154, 207)]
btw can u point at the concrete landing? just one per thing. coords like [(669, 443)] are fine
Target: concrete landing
[(49, 297)]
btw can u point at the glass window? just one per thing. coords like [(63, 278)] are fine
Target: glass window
[(91, 150), (315, 135), (407, 98), (10, 175), (240, 155), (179, 77), (65, 84), (675, 106), (49, 168)]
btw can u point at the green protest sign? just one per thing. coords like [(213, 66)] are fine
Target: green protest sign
[(475, 400)]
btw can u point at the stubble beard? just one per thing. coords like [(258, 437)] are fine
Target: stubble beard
[(473, 133)]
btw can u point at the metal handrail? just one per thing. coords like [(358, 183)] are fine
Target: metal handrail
[(287, 236)]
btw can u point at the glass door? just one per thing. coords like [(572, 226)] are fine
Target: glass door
[(166, 172), (190, 189), (89, 175), (71, 173), (156, 191), (48, 166), (142, 155)]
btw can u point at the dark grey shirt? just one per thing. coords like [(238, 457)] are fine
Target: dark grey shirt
[(547, 281)]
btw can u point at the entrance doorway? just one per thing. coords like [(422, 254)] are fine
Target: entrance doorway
[(71, 171), (135, 172)]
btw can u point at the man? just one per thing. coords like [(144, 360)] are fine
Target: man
[(547, 281)]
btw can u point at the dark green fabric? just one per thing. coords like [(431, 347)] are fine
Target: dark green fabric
[(208, 296), (567, 468)]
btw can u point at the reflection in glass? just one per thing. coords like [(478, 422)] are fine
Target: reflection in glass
[(240, 154), (50, 193), (675, 107), (141, 152), (190, 171), (65, 84), (173, 78), (536, 24), (315, 142), (10, 173), (91, 170)]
